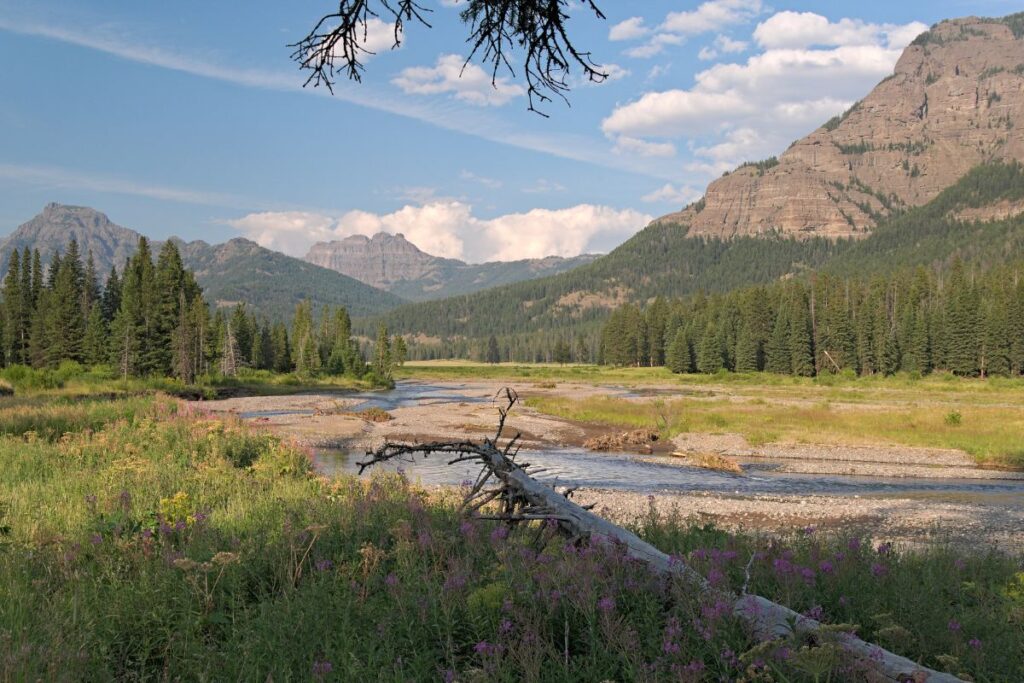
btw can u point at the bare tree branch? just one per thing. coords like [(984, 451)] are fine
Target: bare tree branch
[(498, 28)]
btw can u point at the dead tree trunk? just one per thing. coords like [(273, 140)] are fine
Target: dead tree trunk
[(521, 498)]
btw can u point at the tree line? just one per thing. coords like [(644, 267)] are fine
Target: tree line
[(958, 320), (150, 319)]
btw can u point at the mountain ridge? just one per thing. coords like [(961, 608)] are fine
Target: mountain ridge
[(950, 105), (394, 264), (224, 271)]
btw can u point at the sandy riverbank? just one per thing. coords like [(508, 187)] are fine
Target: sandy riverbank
[(323, 421)]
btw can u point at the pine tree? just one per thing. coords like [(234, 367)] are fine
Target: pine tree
[(678, 355), (110, 303), (399, 351), (281, 355), (493, 355), (184, 361), (778, 353), (14, 333), (962, 321), (711, 351), (382, 354), (65, 323), (40, 353), (800, 336), (95, 344), (305, 351)]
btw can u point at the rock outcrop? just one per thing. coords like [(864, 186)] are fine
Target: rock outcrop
[(395, 264), (954, 101)]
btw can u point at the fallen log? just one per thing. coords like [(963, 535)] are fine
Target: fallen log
[(522, 498)]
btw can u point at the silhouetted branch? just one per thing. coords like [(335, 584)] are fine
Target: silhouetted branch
[(498, 28)]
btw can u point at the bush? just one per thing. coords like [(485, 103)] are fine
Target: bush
[(954, 418)]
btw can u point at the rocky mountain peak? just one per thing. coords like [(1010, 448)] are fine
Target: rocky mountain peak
[(955, 100)]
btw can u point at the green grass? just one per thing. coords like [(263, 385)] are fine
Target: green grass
[(70, 378), (149, 541), (991, 434)]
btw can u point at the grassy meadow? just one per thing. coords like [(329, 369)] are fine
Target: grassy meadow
[(983, 417), (142, 539)]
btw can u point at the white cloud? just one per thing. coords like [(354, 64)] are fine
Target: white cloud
[(629, 145), (722, 45), (749, 110), (674, 113), (670, 194), (630, 29), (797, 30), (491, 183), (712, 15), (451, 230), (467, 82), (544, 186), (378, 37), (656, 45)]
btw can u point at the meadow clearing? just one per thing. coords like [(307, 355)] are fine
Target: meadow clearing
[(141, 537)]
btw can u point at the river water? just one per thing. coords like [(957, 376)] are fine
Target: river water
[(644, 472)]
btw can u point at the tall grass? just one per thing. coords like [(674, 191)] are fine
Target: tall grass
[(162, 544)]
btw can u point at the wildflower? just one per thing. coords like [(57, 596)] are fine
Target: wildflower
[(885, 549), (807, 574), (448, 676), (505, 627), (223, 558), (954, 625), (959, 564), (878, 570), (606, 604), (670, 648), (974, 643), (483, 648), (499, 534), (147, 534), (715, 577), (179, 525), (321, 668), (96, 539), (323, 565), (730, 658), (854, 544), (467, 529), (825, 567), (809, 530), (391, 580)]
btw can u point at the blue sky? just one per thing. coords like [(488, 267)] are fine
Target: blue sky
[(188, 118)]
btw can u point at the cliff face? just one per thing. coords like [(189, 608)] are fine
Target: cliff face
[(954, 101), (393, 263), (380, 261)]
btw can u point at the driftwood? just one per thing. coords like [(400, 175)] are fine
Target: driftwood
[(521, 498)]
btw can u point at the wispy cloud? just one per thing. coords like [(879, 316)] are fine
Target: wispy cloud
[(441, 114), (57, 177)]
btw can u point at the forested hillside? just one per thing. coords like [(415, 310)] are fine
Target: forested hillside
[(530, 319), (238, 271)]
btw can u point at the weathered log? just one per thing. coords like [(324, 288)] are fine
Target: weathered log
[(767, 620)]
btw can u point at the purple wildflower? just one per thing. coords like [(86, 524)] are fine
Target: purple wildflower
[(878, 570), (826, 567), (505, 627), (974, 643), (670, 648), (391, 580), (321, 667), (499, 534), (147, 534), (954, 625), (179, 525), (483, 648), (606, 604), (448, 676), (324, 565), (96, 539), (885, 549), (854, 544), (959, 564), (817, 613)]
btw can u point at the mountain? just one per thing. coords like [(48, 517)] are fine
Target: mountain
[(954, 101), (395, 264), (922, 168), (52, 229), (236, 271)]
